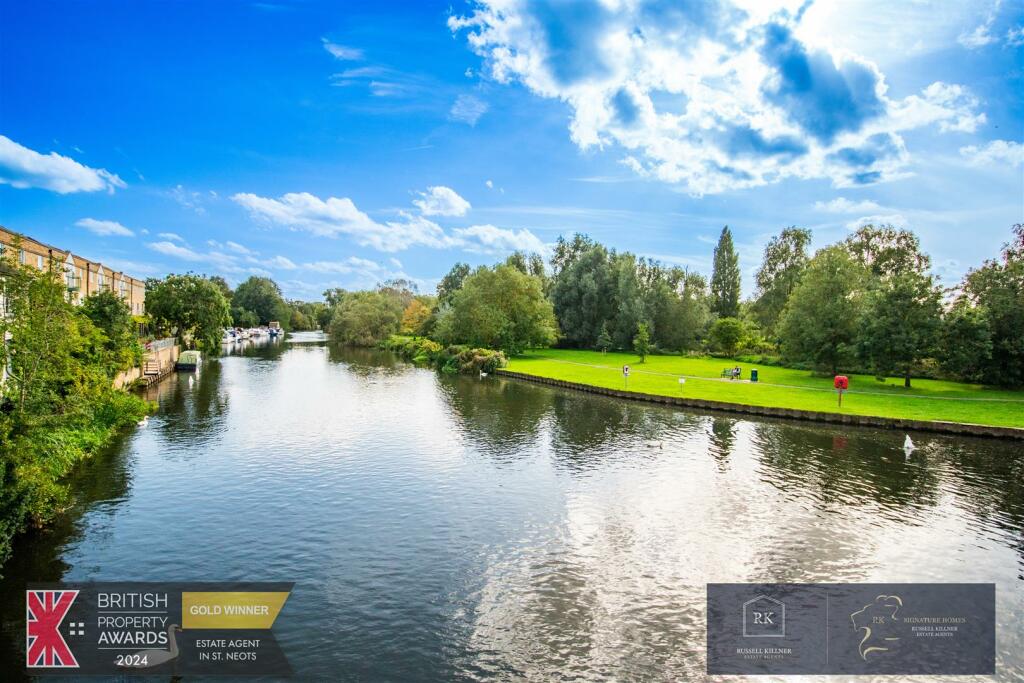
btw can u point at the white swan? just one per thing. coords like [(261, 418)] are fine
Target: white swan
[(150, 658), (190, 381), (908, 445), (143, 422), (482, 374)]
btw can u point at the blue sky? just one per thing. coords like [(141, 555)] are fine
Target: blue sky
[(337, 144)]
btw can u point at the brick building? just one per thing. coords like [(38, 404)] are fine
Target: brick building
[(82, 276)]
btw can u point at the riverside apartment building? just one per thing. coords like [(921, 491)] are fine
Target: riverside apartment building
[(82, 276)]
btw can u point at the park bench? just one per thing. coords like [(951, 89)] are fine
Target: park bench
[(728, 372)]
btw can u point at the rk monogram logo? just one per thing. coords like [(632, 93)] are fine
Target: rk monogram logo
[(764, 617)]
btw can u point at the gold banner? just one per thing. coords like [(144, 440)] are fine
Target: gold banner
[(230, 610)]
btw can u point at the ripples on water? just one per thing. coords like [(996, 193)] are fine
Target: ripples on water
[(442, 528)]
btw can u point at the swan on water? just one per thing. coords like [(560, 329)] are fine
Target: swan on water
[(908, 445), (143, 422), (150, 658), (190, 381), (482, 374)]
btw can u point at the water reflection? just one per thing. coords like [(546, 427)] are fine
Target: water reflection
[(446, 527)]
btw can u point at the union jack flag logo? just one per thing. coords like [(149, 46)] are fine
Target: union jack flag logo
[(44, 644)]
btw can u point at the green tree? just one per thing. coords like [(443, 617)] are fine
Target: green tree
[(499, 308), (785, 258), (819, 323), (451, 283), (189, 306), (583, 293), (222, 285), (966, 342), (262, 296), (900, 323), (726, 334), (57, 403), (725, 278), (243, 317), (997, 289), (604, 339), (366, 318), (642, 341), (886, 251), (112, 316)]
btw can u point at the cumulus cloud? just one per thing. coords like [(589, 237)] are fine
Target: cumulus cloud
[(238, 248), (281, 262), (441, 201), (23, 168), (468, 109), (710, 96), (844, 205), (219, 260), (994, 153), (488, 239), (104, 228), (336, 216), (342, 52), (339, 216)]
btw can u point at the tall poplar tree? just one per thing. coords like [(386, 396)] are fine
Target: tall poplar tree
[(725, 279)]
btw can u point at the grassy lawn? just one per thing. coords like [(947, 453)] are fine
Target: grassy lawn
[(928, 399)]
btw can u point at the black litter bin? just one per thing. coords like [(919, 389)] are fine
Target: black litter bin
[(753, 375)]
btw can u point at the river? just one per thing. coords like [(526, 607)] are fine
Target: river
[(444, 528)]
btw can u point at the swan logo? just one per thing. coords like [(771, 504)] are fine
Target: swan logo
[(45, 647)]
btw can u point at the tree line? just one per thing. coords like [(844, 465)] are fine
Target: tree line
[(57, 400), (196, 308), (869, 303)]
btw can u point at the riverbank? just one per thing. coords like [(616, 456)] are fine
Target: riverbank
[(783, 392)]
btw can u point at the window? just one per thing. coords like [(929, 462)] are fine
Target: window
[(40, 261), (21, 256)]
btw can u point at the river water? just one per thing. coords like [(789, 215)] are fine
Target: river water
[(443, 528)]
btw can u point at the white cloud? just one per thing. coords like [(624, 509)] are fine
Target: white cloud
[(238, 248), (281, 262), (708, 96), (844, 205), (441, 201), (895, 219), (23, 168), (104, 228), (468, 109), (221, 261), (1015, 36), (189, 199), (395, 262), (339, 216), (982, 33), (342, 52), (353, 264), (488, 239), (173, 236), (995, 152), (489, 184)]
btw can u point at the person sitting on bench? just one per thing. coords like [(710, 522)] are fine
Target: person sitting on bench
[(736, 372)]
